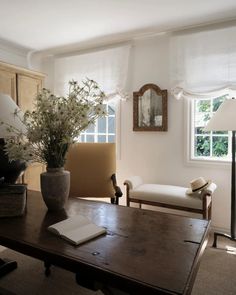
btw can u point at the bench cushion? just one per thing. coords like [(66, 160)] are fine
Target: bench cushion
[(167, 194)]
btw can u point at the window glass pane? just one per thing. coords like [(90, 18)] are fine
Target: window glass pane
[(102, 125), (90, 138), (209, 144), (220, 146), (201, 119), (91, 129), (111, 110), (111, 124), (200, 130), (203, 106), (111, 138), (202, 146), (101, 138), (99, 131), (217, 102), (220, 132), (82, 138)]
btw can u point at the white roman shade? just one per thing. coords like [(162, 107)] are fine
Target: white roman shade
[(203, 62), (108, 67)]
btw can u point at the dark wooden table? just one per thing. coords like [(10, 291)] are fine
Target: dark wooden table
[(144, 252)]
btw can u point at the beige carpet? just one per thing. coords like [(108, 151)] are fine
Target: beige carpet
[(216, 276)]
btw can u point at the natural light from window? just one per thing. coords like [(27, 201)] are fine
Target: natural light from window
[(231, 250), (211, 145), (103, 130)]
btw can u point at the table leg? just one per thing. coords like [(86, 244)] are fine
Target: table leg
[(47, 266)]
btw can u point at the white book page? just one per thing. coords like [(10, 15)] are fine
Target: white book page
[(84, 233), (62, 227)]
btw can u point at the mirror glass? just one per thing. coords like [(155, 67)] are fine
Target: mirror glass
[(150, 109)]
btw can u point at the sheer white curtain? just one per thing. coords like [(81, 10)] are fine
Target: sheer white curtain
[(108, 67), (203, 63)]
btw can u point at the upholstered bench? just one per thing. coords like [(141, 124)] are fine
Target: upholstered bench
[(169, 196)]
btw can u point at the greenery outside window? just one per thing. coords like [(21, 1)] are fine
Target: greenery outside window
[(104, 129), (212, 145)]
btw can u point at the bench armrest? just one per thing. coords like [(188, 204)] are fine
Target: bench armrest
[(118, 192), (133, 182), (210, 189)]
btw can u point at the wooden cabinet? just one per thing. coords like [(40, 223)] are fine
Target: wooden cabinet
[(23, 85), (8, 83), (27, 88)]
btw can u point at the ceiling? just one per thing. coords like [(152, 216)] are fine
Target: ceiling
[(45, 24)]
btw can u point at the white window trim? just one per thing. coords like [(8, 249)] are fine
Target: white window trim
[(188, 134), (118, 129)]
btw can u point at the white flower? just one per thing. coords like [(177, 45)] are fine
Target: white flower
[(55, 123)]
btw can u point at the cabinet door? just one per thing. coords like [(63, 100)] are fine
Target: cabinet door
[(8, 83), (32, 176), (28, 87)]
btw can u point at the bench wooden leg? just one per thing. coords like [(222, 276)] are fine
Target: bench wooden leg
[(207, 205), (209, 212), (127, 195)]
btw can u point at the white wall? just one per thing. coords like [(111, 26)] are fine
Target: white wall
[(12, 54), (44, 64), (159, 156)]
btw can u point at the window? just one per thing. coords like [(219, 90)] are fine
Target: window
[(213, 145), (104, 129)]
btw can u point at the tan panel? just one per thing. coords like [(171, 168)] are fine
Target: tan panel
[(91, 166), (32, 176), (22, 85), (8, 83), (28, 87)]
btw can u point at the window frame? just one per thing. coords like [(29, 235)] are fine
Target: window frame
[(96, 134), (117, 107), (189, 135)]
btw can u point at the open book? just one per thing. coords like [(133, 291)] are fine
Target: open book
[(76, 229)]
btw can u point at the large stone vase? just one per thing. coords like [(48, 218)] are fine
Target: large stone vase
[(55, 187)]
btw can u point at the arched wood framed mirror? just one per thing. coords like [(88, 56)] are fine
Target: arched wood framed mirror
[(150, 109)]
